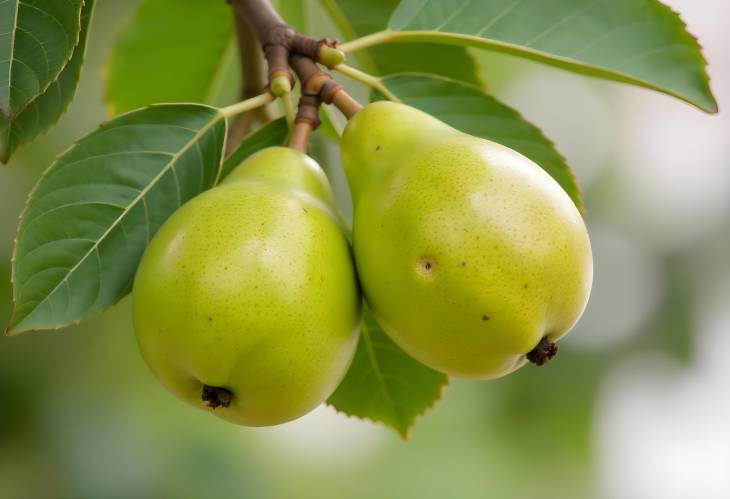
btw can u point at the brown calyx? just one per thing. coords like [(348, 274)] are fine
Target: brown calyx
[(543, 352), (215, 396)]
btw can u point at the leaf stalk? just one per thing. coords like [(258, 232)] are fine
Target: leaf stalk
[(247, 105), (370, 80)]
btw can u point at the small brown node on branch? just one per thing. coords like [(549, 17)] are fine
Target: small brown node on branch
[(323, 51), (285, 48), (276, 50), (316, 81), (306, 121), (305, 46), (328, 91), (309, 74), (543, 352), (216, 396), (309, 110)]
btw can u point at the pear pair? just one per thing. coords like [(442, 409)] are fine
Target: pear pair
[(470, 255)]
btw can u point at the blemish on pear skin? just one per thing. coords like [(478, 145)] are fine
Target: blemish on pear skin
[(426, 267), (377, 148), (485, 318)]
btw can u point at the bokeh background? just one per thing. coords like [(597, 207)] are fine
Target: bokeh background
[(635, 406)]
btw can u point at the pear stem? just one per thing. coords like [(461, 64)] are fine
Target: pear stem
[(247, 105), (253, 79), (346, 104), (300, 136), (306, 121), (370, 80)]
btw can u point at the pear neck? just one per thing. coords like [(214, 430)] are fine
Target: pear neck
[(286, 168)]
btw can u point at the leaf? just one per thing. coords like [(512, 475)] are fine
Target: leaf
[(294, 13), (94, 210), (384, 384), (171, 51), (641, 42), (45, 110), (471, 110), (357, 18), (36, 41), (272, 134)]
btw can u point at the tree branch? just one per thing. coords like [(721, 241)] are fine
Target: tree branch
[(252, 62), (279, 40), (317, 82), (253, 81), (284, 47), (262, 16)]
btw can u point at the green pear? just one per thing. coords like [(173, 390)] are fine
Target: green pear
[(470, 255), (246, 302)]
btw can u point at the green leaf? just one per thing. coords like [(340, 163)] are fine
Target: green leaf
[(92, 213), (272, 134), (171, 51), (36, 41), (641, 42), (357, 18), (294, 13), (45, 110), (469, 109), (384, 384)]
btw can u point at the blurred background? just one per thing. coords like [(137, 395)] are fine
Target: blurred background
[(636, 405)]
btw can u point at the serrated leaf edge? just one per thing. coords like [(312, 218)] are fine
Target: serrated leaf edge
[(405, 435), (5, 159), (405, 427), (13, 115), (391, 35), (10, 329), (566, 63)]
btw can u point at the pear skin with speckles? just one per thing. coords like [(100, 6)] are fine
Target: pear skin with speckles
[(468, 252), (246, 302)]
